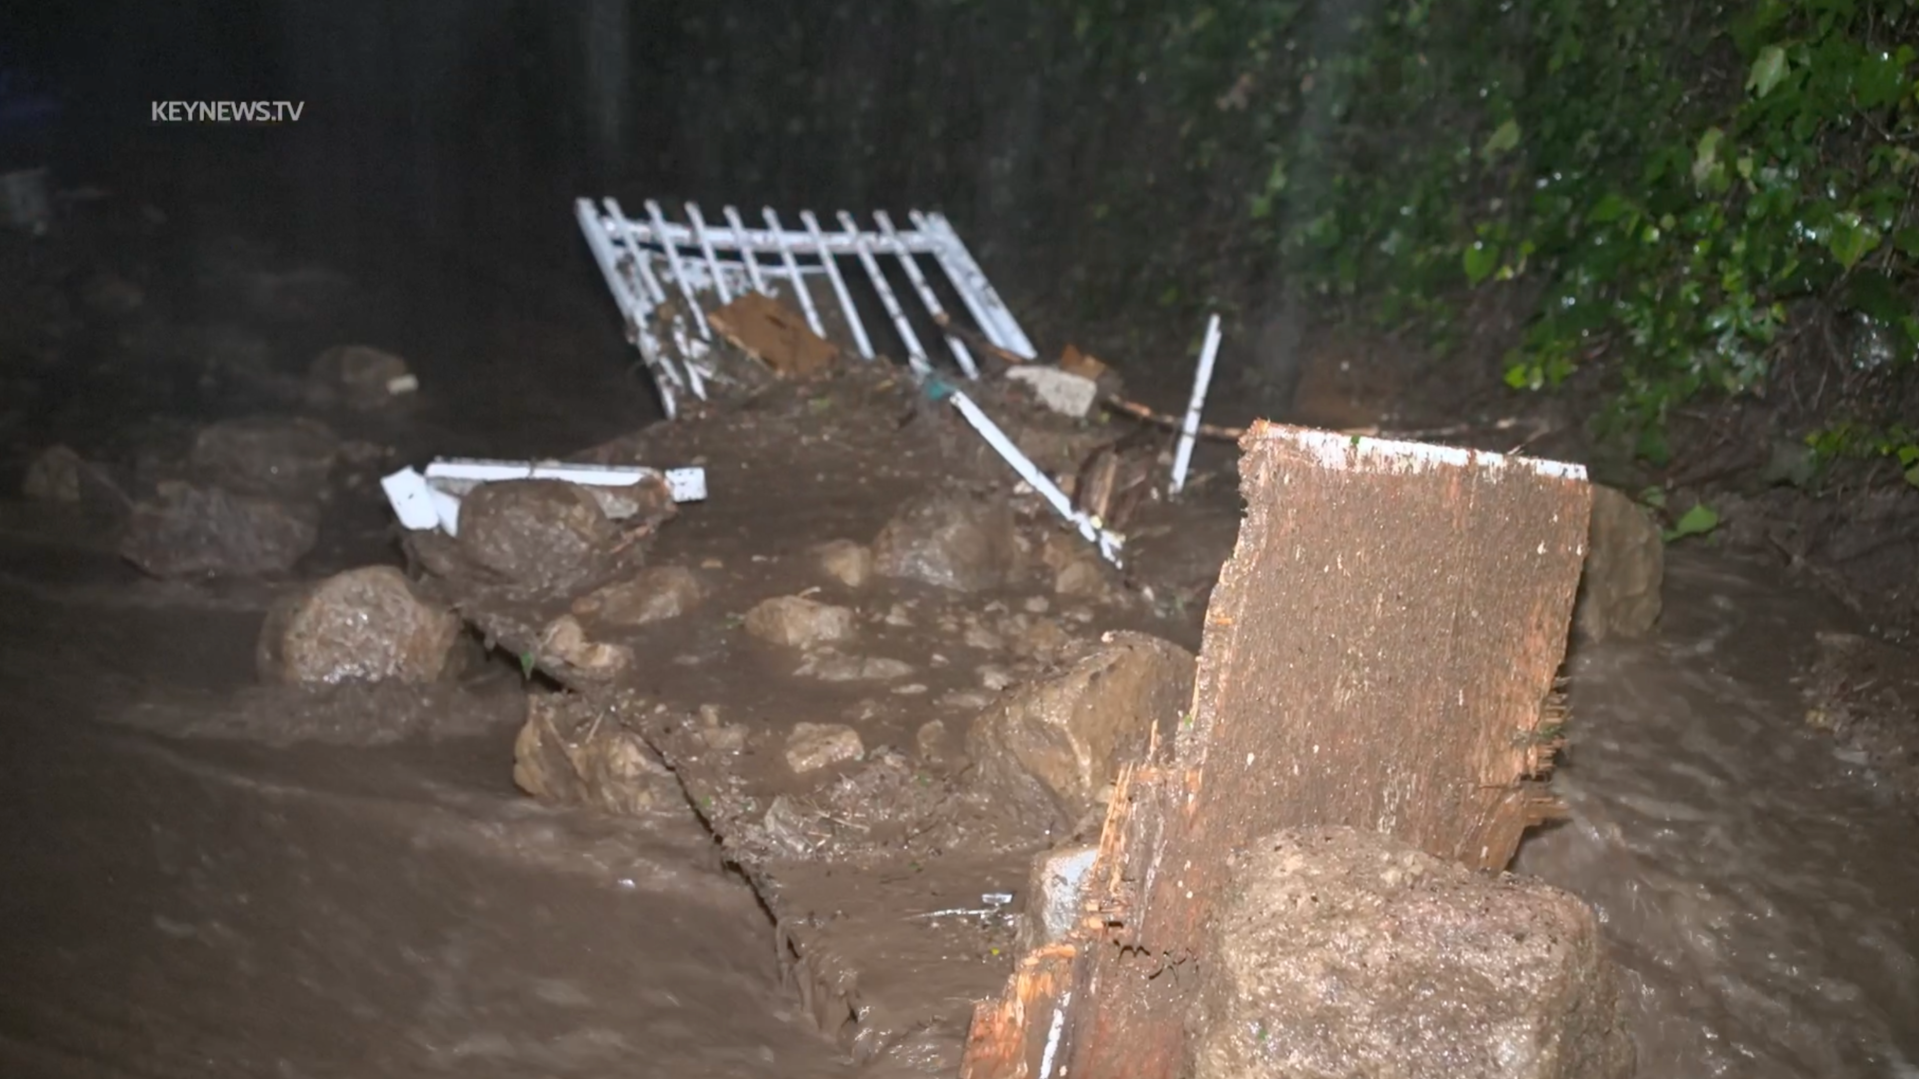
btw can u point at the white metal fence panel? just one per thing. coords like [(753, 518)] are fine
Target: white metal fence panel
[(641, 257)]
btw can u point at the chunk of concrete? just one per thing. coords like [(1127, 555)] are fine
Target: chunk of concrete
[(813, 746), (952, 540), (798, 622), (1049, 748), (653, 595), (546, 535), (194, 530), (364, 625), (1341, 952), (1619, 594), (1064, 392)]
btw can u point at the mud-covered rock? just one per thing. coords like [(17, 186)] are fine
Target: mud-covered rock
[(364, 625), (655, 594), (813, 746), (194, 530), (798, 622), (1619, 595), (577, 751), (1339, 952), (1081, 578), (950, 539), (1054, 895), (272, 458), (1049, 748), (360, 376), (568, 652), (831, 665), (544, 535), (849, 563), (58, 474)]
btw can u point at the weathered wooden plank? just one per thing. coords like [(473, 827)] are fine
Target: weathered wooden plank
[(1380, 652)]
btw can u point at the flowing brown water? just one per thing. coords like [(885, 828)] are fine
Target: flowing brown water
[(1762, 893)]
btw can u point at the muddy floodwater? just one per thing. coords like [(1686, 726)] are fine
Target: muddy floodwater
[(204, 907)]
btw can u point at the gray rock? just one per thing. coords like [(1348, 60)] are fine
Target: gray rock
[(654, 595), (364, 625), (829, 665), (847, 562), (1619, 596), (272, 458), (1339, 952), (545, 535), (1050, 747), (1054, 895), (60, 475), (813, 746), (798, 622), (952, 540), (190, 530)]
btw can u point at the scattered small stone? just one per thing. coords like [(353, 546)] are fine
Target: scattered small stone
[(964, 700), (911, 690), (849, 563), (898, 615), (828, 665), (978, 636), (813, 746), (949, 539), (709, 715), (1082, 615), (995, 678), (730, 738), (1042, 639), (712, 563), (364, 625), (59, 474), (1037, 605), (545, 535), (189, 530), (655, 594), (798, 622)]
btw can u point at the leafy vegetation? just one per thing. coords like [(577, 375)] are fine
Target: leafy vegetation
[(1673, 194)]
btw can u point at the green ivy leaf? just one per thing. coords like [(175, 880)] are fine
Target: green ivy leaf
[(1705, 157), (1853, 238), (1697, 521), (1503, 138), (1767, 70), (1479, 261)]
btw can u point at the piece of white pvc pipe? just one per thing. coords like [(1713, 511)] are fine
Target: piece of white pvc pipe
[(974, 288), (684, 484), (1108, 543), (1189, 428), (746, 252), (853, 322), (915, 352), (706, 250), (793, 272), (928, 299)]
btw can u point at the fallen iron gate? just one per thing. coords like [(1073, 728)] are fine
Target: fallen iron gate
[(642, 259)]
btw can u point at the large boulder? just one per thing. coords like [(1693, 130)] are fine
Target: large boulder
[(950, 539), (1050, 748), (544, 535), (272, 458), (364, 625), (194, 530), (1341, 952), (1625, 567)]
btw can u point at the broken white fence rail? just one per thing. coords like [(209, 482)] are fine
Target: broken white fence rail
[(641, 258), (1189, 427), (429, 501)]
